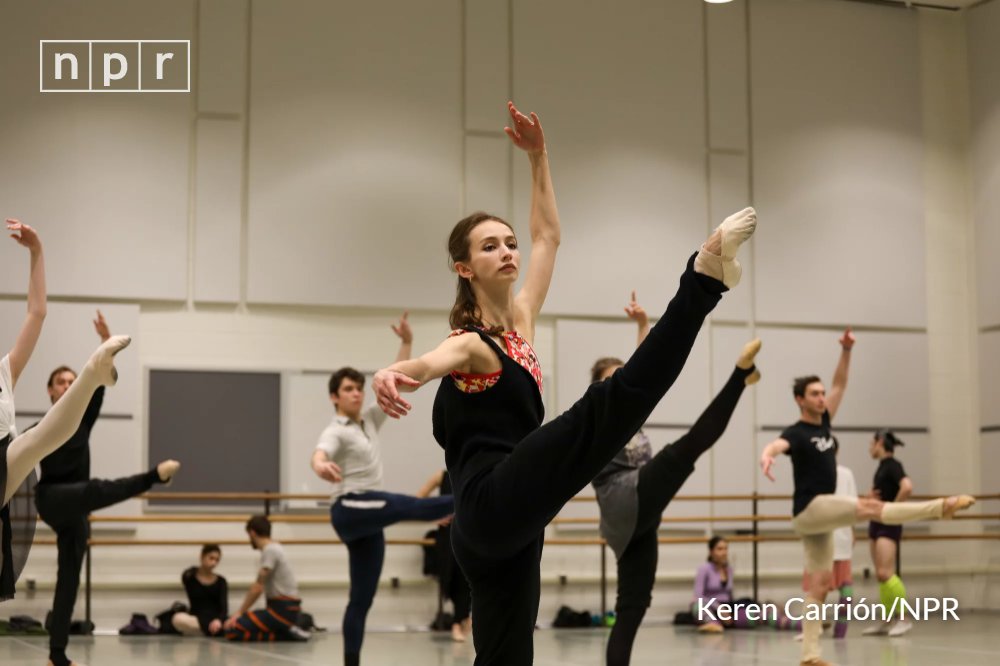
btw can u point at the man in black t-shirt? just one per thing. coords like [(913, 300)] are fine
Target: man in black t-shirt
[(809, 443), (66, 495), (890, 485), (816, 510)]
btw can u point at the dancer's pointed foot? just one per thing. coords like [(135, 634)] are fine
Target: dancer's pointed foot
[(717, 257), (457, 635), (103, 360), (750, 350), (956, 503), (166, 470), (736, 230)]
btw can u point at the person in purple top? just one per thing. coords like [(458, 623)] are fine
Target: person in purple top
[(713, 585)]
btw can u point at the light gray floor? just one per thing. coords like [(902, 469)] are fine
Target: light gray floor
[(972, 641)]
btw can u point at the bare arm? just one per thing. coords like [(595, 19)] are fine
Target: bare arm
[(405, 333), (432, 483), (37, 309), (325, 468), (905, 489), (526, 133), (256, 589), (840, 374), (454, 354), (638, 314), (770, 452)]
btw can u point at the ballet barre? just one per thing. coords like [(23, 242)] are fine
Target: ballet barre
[(270, 499)]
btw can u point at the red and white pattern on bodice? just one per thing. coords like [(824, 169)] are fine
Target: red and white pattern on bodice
[(517, 348)]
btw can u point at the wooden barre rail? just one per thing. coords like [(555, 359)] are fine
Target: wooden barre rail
[(280, 518), (588, 498), (754, 538), (556, 541)]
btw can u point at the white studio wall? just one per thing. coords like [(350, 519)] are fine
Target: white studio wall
[(355, 158), (622, 98), (983, 23), (837, 163), (105, 174)]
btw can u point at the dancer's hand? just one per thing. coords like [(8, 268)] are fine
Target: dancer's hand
[(24, 235), (526, 133), (403, 330), (636, 312), (386, 384), (847, 340), (766, 460), (445, 522), (328, 471), (101, 326), (214, 627), (230, 623)]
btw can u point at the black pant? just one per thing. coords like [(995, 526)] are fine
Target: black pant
[(659, 480), (358, 519), (457, 589), (65, 507), (501, 514)]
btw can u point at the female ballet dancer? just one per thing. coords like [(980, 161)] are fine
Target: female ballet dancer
[(510, 476), (634, 489), (891, 484)]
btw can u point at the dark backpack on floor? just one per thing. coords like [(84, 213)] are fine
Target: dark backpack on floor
[(568, 618), (138, 626)]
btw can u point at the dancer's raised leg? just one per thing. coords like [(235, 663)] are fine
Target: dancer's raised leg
[(62, 420)]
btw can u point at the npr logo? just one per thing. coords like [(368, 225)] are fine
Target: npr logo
[(114, 66)]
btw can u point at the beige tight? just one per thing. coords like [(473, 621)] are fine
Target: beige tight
[(815, 524), (59, 424)]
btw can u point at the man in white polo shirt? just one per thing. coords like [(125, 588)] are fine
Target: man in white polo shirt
[(349, 456)]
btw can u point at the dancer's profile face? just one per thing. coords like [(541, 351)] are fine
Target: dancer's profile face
[(875, 448), (493, 254), (814, 400), (349, 398), (60, 384)]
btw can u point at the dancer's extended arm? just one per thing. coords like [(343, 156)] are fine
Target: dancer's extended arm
[(526, 133), (840, 374), (253, 594), (32, 327), (638, 314), (457, 353), (771, 451), (405, 333)]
